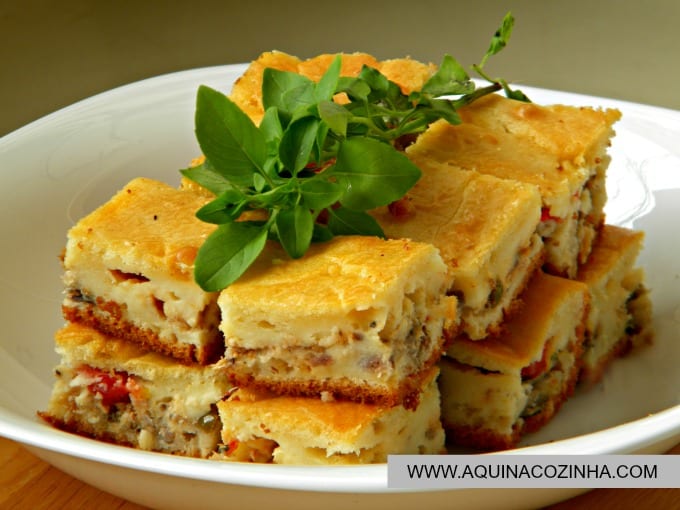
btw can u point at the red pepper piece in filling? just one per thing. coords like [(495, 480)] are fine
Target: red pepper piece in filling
[(537, 367), (112, 386), (545, 215)]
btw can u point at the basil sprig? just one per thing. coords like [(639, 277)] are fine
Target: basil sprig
[(314, 167)]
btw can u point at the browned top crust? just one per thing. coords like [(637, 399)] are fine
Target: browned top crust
[(568, 132), (466, 215), (409, 74), (613, 245), (149, 224), (345, 274)]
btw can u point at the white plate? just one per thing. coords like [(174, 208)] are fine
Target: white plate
[(56, 169)]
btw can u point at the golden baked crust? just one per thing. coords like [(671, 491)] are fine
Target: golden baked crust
[(409, 74), (615, 249), (345, 274), (571, 134), (148, 223), (351, 64)]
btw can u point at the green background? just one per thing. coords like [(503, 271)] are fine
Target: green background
[(54, 53)]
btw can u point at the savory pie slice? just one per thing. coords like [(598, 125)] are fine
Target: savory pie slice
[(262, 427), (112, 390), (621, 308), (128, 271), (485, 230), (560, 149), (494, 391), (358, 318)]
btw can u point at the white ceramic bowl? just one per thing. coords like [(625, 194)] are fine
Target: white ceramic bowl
[(58, 168)]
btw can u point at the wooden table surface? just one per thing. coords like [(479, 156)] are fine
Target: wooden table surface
[(26, 482)]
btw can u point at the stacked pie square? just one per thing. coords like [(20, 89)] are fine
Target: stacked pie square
[(586, 305)]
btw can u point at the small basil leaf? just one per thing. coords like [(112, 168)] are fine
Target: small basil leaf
[(335, 116), (286, 91), (295, 227), (259, 182), (227, 207), (228, 138), (270, 125), (450, 79), (317, 194), (297, 143), (355, 88), (442, 109), (321, 234), (206, 176), (325, 88), (343, 221), (500, 38), (378, 83), (227, 253), (374, 173)]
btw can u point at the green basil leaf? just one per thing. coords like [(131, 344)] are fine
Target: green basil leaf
[(259, 182), (288, 92), (378, 83), (271, 128), (517, 95), (441, 109), (297, 143), (500, 38), (206, 176), (374, 173), (325, 88), (321, 233), (228, 138), (227, 253), (355, 88), (324, 147), (227, 207), (450, 79), (335, 116), (343, 221), (295, 227), (317, 194)]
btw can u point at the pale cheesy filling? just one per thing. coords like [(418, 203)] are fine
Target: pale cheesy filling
[(175, 311), (155, 417), (381, 357), (378, 345), (499, 292), (568, 236)]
